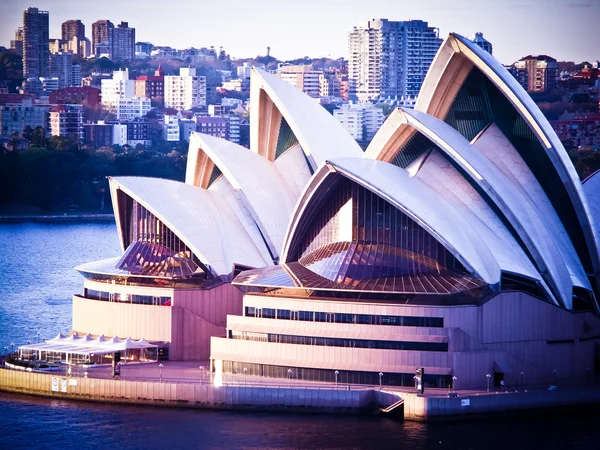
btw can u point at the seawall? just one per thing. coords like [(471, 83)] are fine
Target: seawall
[(193, 395), (428, 408)]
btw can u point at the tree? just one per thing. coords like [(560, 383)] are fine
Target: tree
[(28, 133), (14, 142), (39, 138)]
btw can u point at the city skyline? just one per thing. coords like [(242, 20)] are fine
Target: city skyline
[(252, 26)]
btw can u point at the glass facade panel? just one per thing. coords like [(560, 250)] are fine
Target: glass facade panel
[(127, 298), (328, 376), (339, 342), (363, 319), (153, 249), (357, 240), (286, 138)]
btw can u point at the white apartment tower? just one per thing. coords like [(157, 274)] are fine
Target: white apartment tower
[(118, 87), (185, 91), (389, 59)]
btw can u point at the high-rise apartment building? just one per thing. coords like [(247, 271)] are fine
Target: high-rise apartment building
[(35, 43), (185, 91), (16, 44), (303, 77), (61, 67), (72, 28), (483, 43), (100, 31), (122, 42), (388, 59), (536, 73)]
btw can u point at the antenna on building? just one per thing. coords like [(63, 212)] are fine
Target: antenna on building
[(268, 51)]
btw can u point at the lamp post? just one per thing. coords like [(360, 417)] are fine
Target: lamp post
[(160, 366), (453, 383), (245, 376), (487, 375), (290, 376), (337, 372), (12, 348), (380, 377), (201, 374)]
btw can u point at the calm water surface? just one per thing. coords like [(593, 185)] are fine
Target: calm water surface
[(36, 283)]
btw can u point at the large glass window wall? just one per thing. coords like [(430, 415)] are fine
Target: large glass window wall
[(329, 376), (361, 319), (358, 240), (339, 342), (153, 249), (127, 298)]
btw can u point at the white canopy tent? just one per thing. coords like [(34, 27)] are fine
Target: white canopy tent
[(85, 349)]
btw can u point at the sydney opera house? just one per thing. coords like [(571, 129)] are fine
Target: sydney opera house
[(461, 241)]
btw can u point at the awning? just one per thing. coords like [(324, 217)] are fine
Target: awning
[(87, 345)]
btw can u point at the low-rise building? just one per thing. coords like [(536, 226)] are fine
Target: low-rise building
[(119, 134), (151, 86), (237, 85), (581, 130), (186, 127), (98, 134), (213, 126), (171, 128), (138, 132), (84, 95), (130, 108), (67, 121), (18, 113)]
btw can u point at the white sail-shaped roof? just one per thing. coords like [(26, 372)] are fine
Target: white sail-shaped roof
[(265, 195), (196, 218), (455, 60), (319, 134), (415, 199)]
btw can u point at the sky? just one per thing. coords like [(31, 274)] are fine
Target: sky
[(565, 29)]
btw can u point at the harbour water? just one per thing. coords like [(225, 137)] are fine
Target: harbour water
[(36, 283)]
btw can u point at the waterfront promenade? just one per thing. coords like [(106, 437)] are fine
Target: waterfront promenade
[(184, 384)]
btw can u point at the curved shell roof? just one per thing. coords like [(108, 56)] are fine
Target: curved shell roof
[(419, 202), (542, 236), (256, 179), (320, 135), (198, 219), (454, 61)]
